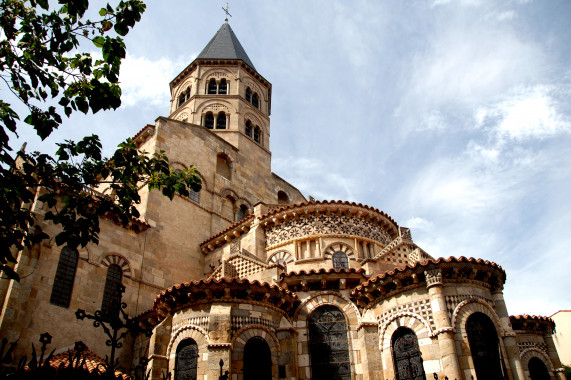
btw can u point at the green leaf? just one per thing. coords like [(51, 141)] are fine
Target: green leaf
[(98, 41)]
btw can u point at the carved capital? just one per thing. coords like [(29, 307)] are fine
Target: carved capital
[(433, 277)]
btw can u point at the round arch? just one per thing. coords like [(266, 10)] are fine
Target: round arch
[(413, 321), (328, 298), (118, 260), (240, 339), (216, 106), (467, 308), (530, 353), (187, 332), (332, 248)]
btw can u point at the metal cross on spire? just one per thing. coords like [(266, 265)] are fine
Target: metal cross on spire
[(225, 9)]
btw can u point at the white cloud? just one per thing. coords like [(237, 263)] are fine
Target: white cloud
[(418, 223), (144, 80), (313, 177), (531, 113)]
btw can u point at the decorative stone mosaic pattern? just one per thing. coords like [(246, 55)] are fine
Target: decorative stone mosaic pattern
[(238, 266), (324, 225), (201, 322), (421, 308), (525, 345), (453, 301), (238, 322)]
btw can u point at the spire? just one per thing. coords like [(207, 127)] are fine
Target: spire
[(225, 45)]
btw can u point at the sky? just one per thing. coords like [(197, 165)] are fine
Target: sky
[(453, 117)]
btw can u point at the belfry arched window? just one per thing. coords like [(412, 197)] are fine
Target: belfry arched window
[(328, 345), (186, 362), (248, 95), (406, 355), (223, 87), (257, 134), (221, 121), (257, 359), (242, 212), (248, 128), (485, 347), (112, 292), (212, 86), (340, 260), (209, 120), (184, 96), (65, 275), (255, 101)]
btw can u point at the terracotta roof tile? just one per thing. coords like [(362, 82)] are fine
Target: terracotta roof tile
[(92, 362), (426, 263), (303, 272)]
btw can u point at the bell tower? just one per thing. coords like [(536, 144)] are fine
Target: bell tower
[(222, 91)]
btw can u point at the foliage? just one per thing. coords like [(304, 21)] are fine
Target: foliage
[(42, 66)]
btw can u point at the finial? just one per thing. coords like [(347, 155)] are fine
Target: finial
[(226, 11)]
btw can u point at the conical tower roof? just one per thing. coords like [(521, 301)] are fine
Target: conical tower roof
[(225, 45)]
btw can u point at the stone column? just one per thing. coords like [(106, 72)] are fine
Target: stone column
[(444, 329), (158, 344), (554, 357), (508, 335), (368, 338), (219, 330)]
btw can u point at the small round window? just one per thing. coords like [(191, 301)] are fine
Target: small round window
[(340, 260)]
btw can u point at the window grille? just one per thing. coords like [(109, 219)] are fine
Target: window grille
[(112, 292), (340, 260), (65, 275), (186, 361), (194, 196)]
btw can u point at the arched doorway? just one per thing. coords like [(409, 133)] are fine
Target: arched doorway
[(328, 346), (257, 360), (485, 347), (538, 370), (406, 355), (186, 360)]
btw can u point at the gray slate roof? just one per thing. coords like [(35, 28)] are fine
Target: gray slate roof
[(225, 45)]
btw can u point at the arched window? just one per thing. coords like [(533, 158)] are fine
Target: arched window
[(221, 121), (255, 100), (212, 86), (340, 260), (328, 346), (186, 362), (484, 347), (223, 87), (242, 213), (257, 134), (223, 166), (248, 94), (283, 199), (248, 128), (209, 120), (112, 292), (65, 274), (184, 96), (257, 359), (406, 355), (538, 370)]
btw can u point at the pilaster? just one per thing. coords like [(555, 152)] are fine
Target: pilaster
[(508, 337), (444, 329)]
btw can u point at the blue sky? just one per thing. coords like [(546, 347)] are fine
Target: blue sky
[(451, 116)]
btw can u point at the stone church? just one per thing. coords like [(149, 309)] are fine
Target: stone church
[(249, 277)]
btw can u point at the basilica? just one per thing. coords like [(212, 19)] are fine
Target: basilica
[(249, 279)]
